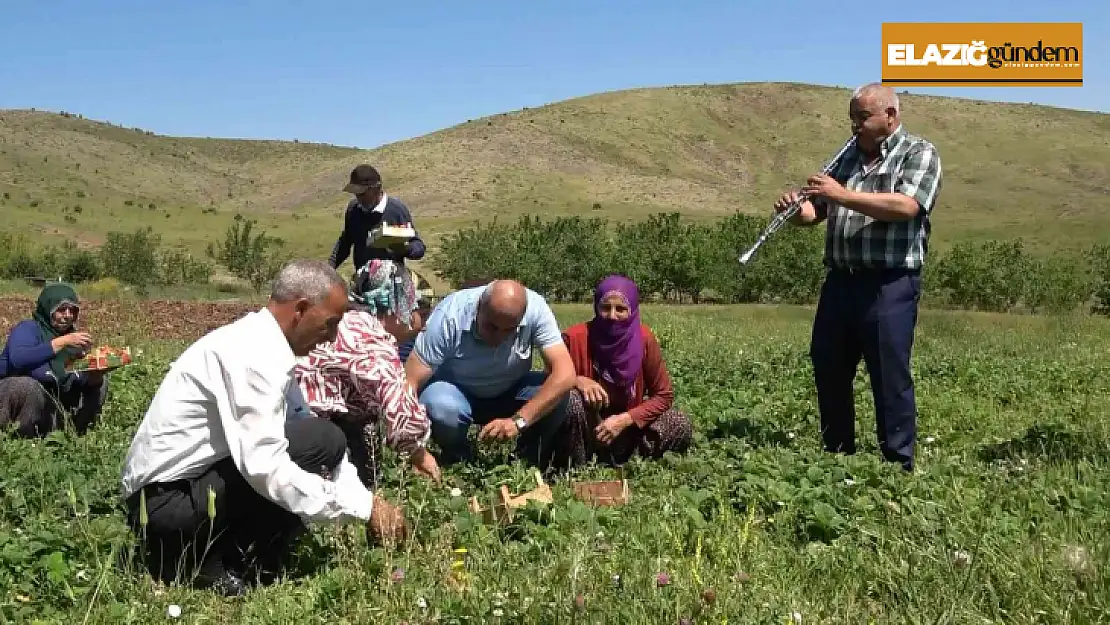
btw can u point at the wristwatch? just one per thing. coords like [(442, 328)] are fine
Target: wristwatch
[(519, 422)]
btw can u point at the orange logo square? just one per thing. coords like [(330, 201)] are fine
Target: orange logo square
[(991, 54)]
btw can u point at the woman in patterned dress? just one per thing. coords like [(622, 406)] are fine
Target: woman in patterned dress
[(358, 381), (623, 402)]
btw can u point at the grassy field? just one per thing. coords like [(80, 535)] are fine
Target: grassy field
[(1005, 522), (706, 151)]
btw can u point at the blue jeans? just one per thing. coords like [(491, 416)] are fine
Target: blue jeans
[(873, 314), (453, 410)]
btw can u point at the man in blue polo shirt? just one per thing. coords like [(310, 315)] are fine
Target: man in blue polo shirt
[(473, 364)]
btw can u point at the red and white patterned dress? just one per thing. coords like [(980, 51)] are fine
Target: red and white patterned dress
[(358, 380)]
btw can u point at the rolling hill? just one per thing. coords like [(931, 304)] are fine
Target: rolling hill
[(1010, 169)]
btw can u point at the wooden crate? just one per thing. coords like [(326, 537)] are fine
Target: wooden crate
[(502, 510), (604, 492)]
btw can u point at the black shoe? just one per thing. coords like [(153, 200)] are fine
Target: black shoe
[(215, 574), (226, 583), (268, 565)]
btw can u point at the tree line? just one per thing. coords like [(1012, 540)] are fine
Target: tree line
[(682, 260), (673, 259), (141, 260)]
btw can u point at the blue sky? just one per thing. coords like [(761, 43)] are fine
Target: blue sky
[(366, 73)]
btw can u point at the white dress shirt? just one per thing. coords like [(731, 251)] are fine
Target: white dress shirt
[(229, 394)]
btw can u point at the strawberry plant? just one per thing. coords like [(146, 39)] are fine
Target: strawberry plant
[(1004, 521)]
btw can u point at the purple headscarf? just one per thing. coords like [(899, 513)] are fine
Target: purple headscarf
[(617, 347)]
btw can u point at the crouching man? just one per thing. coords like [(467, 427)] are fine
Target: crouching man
[(473, 365), (228, 463)]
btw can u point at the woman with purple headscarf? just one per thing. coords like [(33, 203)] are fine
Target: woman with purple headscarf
[(623, 401)]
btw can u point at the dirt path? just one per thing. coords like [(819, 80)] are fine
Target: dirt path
[(136, 319)]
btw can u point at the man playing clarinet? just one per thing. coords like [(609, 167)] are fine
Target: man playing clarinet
[(877, 202)]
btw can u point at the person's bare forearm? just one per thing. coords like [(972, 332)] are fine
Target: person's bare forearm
[(550, 393), (416, 372), (881, 206)]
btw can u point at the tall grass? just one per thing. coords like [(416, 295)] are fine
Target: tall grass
[(1005, 520)]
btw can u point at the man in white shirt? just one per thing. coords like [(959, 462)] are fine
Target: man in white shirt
[(229, 462)]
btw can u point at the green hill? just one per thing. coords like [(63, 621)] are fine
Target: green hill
[(1010, 169)]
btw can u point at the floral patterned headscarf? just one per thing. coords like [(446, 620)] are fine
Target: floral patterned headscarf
[(385, 287)]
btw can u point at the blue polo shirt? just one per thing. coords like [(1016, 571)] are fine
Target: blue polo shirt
[(450, 346)]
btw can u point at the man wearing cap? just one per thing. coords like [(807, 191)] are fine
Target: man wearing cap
[(371, 207)]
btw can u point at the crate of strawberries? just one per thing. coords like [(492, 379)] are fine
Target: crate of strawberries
[(103, 358)]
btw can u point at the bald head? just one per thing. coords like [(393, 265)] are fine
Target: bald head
[(875, 113), (877, 94), (506, 297), (500, 310)]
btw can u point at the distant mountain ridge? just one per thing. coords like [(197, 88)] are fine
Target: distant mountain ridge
[(1009, 169)]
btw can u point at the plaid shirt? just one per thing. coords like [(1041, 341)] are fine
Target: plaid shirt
[(907, 164), (360, 374)]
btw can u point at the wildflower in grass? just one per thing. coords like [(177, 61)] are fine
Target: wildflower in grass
[(398, 575), (961, 559), (662, 580), (458, 567), (422, 603), (579, 602), (460, 558), (616, 579), (1079, 562), (173, 611)]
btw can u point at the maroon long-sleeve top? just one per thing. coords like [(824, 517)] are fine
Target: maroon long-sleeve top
[(652, 394)]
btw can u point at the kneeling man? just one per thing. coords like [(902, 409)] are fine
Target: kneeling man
[(473, 364), (228, 463)]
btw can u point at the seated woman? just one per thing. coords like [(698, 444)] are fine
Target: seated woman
[(35, 387), (623, 402), (357, 381)]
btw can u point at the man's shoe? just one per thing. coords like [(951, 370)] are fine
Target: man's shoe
[(267, 566), (226, 583)]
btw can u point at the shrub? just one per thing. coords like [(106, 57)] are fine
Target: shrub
[(82, 266), (990, 276), (133, 257), (105, 288), (18, 257), (1099, 260), (178, 268), (670, 259), (252, 256), (680, 260), (1061, 284)]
